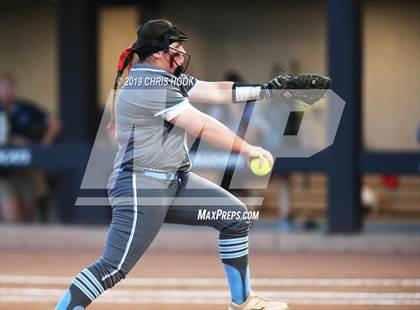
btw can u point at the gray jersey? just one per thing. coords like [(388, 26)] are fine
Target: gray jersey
[(149, 98)]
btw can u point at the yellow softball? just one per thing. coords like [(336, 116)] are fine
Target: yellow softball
[(255, 167)]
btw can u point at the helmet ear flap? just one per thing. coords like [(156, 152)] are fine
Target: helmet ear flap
[(165, 44), (166, 48)]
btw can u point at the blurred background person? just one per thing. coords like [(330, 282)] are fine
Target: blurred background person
[(23, 190)]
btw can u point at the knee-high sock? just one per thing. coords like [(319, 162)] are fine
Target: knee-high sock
[(234, 255), (82, 291)]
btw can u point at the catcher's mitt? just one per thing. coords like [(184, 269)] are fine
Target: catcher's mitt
[(307, 88)]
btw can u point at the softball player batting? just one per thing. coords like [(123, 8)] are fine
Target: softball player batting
[(152, 167)]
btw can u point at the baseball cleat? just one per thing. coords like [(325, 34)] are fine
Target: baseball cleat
[(255, 302)]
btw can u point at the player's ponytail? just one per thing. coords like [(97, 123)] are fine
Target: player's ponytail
[(126, 59)]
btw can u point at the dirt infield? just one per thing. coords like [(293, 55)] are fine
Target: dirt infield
[(166, 280)]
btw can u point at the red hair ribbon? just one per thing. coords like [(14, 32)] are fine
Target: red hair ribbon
[(124, 55)]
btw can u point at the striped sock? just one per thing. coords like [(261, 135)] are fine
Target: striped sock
[(234, 255), (83, 290)]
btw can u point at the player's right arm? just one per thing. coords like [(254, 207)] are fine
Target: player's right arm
[(199, 124)]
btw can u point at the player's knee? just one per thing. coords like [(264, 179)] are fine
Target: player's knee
[(239, 227)]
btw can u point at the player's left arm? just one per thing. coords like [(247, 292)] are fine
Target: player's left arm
[(232, 92), (211, 92)]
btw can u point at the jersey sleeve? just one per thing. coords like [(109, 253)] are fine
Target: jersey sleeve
[(175, 104), (190, 83)]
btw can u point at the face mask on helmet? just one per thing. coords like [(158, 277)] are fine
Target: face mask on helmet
[(180, 68), (176, 35)]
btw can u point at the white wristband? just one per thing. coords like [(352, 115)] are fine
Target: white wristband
[(245, 92)]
